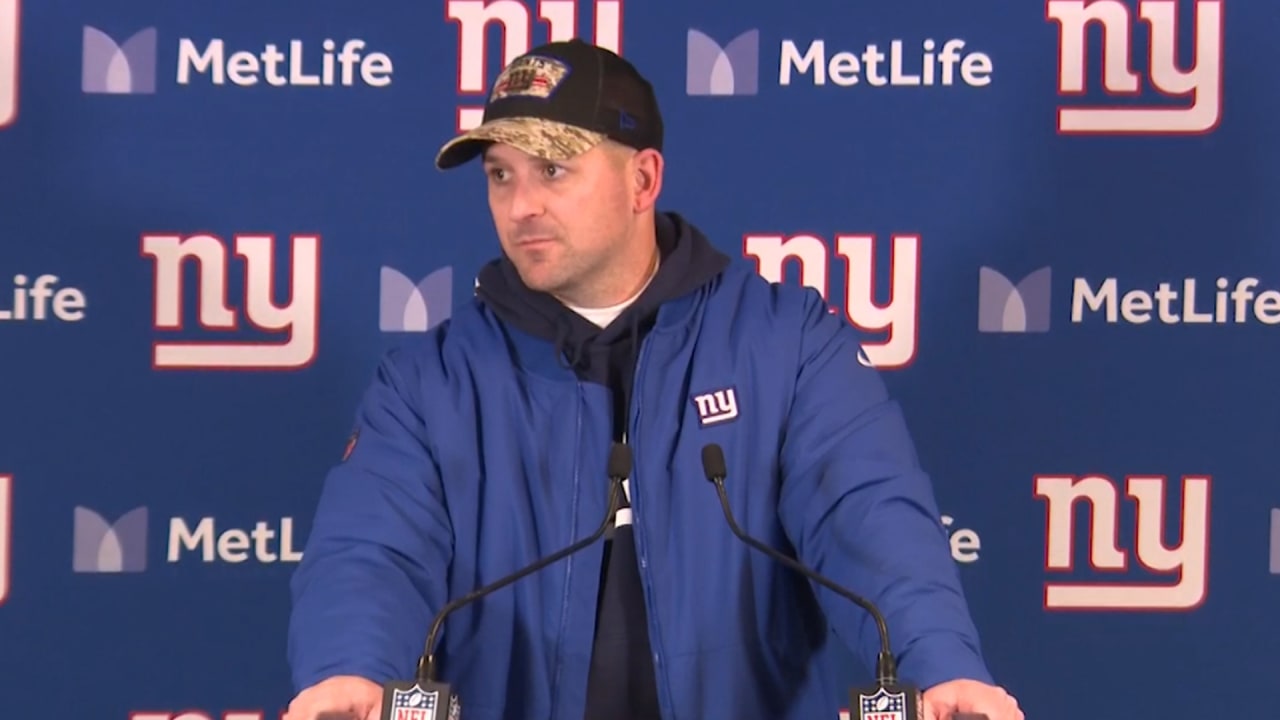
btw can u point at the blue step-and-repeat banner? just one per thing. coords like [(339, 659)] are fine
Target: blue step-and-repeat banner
[(1056, 219)]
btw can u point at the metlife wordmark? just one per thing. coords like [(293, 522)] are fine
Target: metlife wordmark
[(296, 323), (343, 67), (263, 543), (1186, 563), (39, 298), (932, 65), (1186, 302), (517, 22)]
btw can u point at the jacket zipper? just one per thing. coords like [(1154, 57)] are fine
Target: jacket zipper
[(637, 525), (568, 571)]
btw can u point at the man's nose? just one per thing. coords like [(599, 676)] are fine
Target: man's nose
[(526, 200)]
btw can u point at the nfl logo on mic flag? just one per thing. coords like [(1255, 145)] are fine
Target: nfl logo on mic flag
[(408, 701), (414, 704), (883, 705)]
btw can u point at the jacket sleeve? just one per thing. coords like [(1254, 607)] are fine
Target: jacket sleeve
[(373, 569), (857, 506)]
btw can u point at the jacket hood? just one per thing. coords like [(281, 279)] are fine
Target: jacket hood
[(688, 261)]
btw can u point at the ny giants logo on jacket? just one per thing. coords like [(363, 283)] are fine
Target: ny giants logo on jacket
[(716, 406)]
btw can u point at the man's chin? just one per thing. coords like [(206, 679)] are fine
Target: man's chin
[(536, 279)]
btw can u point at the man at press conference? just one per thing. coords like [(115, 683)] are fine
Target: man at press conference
[(489, 444)]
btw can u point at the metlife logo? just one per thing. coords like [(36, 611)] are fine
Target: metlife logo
[(733, 65), (1005, 307), (408, 306), (122, 546), (102, 547), (1024, 304), (128, 68), (133, 63)]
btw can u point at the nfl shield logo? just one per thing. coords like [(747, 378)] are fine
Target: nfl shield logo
[(883, 705), (414, 704)]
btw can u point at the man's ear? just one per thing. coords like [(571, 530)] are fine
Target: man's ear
[(646, 169)]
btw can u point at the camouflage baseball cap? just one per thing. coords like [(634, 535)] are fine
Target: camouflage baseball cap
[(560, 100)]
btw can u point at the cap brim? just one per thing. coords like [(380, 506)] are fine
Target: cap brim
[(541, 138)]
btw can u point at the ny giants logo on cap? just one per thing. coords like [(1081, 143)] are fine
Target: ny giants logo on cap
[(530, 76)]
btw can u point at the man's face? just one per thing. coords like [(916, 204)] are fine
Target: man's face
[(563, 224)]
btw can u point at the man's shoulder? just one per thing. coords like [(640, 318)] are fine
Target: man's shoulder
[(775, 316), (467, 337), (752, 296)]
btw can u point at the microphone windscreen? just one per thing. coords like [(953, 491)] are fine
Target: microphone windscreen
[(620, 460), (713, 462)]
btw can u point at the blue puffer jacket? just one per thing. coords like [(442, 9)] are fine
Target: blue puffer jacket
[(478, 451)]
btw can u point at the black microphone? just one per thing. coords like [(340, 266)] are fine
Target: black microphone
[(891, 699), (424, 697)]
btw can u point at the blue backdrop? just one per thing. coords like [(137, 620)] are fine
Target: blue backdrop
[(1055, 217)]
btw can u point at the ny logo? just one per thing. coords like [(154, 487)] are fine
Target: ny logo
[(1186, 563), (516, 20), (1199, 86), (6, 534), (294, 322), (717, 406), (1275, 543), (896, 317), (202, 715), (10, 14)]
